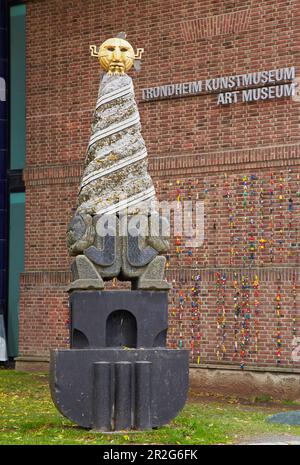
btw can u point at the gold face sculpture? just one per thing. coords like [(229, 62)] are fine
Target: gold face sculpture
[(116, 56)]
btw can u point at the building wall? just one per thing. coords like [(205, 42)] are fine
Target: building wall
[(17, 154), (3, 177), (235, 300)]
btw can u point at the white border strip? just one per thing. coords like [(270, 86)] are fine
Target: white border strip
[(117, 166), (113, 129), (114, 92), (126, 203)]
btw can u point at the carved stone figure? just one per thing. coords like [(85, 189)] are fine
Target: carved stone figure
[(118, 373), (111, 234)]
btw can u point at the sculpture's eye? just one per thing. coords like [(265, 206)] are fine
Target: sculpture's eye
[(110, 48), (123, 49)]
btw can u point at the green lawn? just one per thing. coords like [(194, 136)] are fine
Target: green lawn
[(27, 416)]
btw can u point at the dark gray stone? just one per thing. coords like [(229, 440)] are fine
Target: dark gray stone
[(123, 389), (72, 381), (118, 318), (291, 418), (138, 256), (143, 373), (102, 400)]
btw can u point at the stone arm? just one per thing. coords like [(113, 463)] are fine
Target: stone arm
[(158, 238), (80, 235), (161, 244)]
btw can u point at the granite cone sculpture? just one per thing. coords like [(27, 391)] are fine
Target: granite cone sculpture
[(115, 180), (116, 160), (118, 373)]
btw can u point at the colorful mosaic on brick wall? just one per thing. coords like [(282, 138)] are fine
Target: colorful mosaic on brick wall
[(235, 297)]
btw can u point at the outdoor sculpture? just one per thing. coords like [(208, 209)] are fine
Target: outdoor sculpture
[(115, 180), (118, 373)]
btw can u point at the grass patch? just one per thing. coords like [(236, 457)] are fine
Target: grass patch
[(28, 416), (263, 398), (291, 403)]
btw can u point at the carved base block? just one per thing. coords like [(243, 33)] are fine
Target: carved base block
[(118, 319)]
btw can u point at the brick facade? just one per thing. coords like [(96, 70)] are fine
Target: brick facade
[(242, 160)]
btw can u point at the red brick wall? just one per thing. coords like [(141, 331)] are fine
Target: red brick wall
[(196, 149)]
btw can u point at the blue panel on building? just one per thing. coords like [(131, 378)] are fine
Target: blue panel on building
[(3, 230), (3, 161), (3, 67), (4, 43), (2, 169), (3, 14)]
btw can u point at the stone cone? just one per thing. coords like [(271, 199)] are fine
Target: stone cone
[(115, 174)]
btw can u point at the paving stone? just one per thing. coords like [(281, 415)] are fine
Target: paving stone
[(286, 418)]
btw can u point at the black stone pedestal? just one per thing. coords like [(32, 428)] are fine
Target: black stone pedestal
[(118, 319), (118, 375), (116, 389)]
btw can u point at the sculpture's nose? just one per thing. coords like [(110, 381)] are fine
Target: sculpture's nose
[(117, 54)]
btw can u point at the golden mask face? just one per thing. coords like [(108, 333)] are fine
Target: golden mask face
[(116, 56)]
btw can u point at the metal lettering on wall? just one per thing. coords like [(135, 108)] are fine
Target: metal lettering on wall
[(261, 85)]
